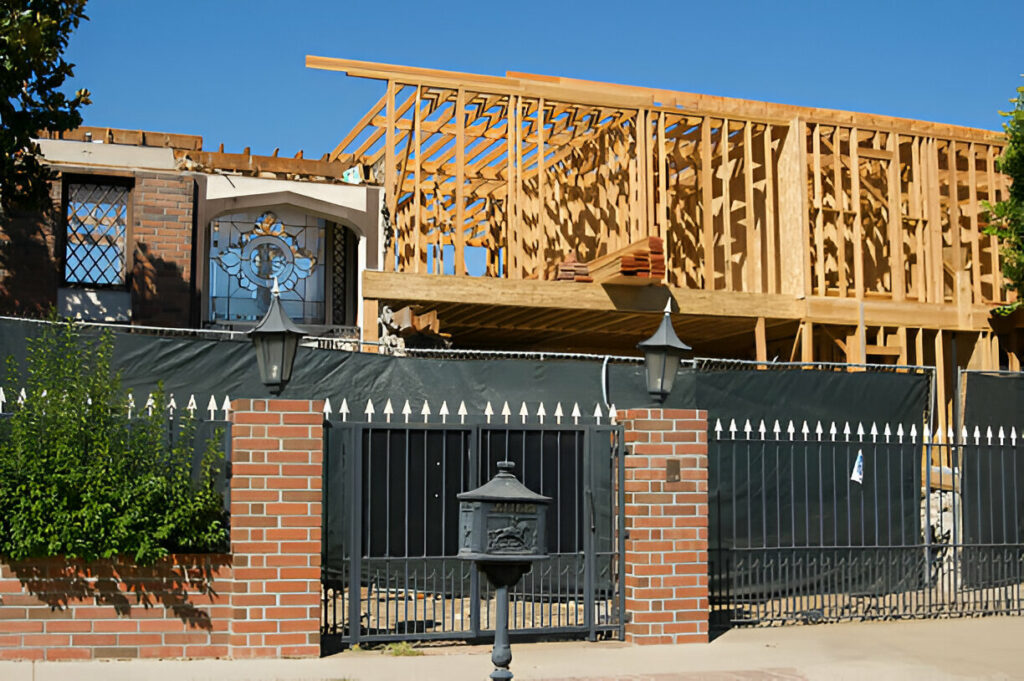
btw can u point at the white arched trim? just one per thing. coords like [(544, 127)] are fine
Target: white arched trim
[(357, 207)]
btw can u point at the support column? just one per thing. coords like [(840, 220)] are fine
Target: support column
[(666, 488), (277, 470)]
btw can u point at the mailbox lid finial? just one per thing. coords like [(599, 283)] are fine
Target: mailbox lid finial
[(504, 487)]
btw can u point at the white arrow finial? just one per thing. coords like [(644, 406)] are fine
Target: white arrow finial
[(406, 411), (462, 412), (541, 413), (558, 413), (576, 413), (226, 407), (505, 411), (389, 409), (3, 399), (524, 412), (443, 411), (425, 411), (327, 408), (488, 412), (597, 413), (210, 407), (192, 406), (718, 429), (613, 414), (343, 409), (369, 410)]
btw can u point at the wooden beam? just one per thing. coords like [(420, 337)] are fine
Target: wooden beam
[(528, 293)]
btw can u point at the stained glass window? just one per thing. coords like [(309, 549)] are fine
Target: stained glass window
[(247, 252)]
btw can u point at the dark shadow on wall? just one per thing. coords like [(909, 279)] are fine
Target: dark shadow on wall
[(161, 295), (29, 271), (181, 585)]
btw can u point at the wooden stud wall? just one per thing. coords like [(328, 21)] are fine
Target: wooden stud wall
[(502, 177)]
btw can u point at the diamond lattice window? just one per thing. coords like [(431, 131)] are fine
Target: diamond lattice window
[(97, 227)]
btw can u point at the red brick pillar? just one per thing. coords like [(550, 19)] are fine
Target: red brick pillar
[(666, 491), (277, 455)]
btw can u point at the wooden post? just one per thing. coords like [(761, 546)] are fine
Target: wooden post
[(390, 179), (417, 221), (769, 210), (940, 384), (459, 242), (753, 265), (858, 228), (706, 202), (807, 341), (726, 173), (896, 259), (760, 340), (794, 253), (819, 212)]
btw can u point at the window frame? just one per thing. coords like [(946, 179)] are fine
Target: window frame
[(69, 179), (331, 225)]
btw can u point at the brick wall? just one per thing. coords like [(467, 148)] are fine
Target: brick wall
[(29, 263), (161, 258), (54, 609), (277, 455), (262, 600), (666, 579)]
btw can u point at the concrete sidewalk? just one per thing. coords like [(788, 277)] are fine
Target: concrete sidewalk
[(991, 648)]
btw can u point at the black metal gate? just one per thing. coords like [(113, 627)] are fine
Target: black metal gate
[(822, 524), (390, 531)]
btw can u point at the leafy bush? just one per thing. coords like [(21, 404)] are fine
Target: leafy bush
[(79, 478)]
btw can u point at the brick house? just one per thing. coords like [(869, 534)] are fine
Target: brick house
[(151, 229)]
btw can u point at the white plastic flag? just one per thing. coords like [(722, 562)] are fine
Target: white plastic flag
[(858, 468)]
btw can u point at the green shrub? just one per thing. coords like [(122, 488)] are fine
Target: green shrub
[(79, 478)]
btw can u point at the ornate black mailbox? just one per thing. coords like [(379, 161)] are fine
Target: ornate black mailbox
[(503, 530)]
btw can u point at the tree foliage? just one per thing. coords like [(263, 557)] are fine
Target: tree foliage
[(79, 478), (33, 36), (1006, 217)]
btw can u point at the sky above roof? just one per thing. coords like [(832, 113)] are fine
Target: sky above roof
[(233, 70)]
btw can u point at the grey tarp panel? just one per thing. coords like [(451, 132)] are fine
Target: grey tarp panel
[(227, 367)]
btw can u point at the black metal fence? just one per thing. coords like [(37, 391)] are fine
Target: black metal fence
[(391, 521), (823, 524)]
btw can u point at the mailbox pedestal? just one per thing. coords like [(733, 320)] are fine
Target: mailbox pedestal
[(503, 530)]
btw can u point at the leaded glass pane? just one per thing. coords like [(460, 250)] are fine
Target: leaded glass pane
[(97, 224), (248, 252)]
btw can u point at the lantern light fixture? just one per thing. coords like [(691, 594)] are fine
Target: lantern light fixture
[(662, 354), (276, 340)]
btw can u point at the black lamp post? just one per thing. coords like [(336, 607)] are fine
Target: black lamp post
[(662, 353), (503, 530), (276, 339)]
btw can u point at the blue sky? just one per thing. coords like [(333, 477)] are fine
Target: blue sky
[(232, 70)]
